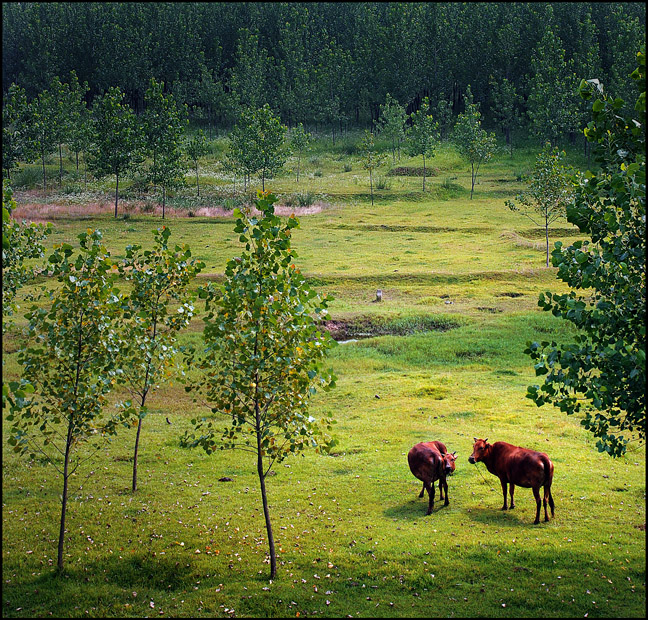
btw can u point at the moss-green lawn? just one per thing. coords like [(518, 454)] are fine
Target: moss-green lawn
[(352, 536)]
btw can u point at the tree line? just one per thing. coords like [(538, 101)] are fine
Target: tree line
[(114, 140), (332, 64)]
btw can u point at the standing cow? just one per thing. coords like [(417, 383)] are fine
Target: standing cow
[(514, 465), (430, 461)]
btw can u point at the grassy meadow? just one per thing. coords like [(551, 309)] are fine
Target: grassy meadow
[(351, 533)]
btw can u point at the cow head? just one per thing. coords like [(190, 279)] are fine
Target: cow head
[(480, 449), (449, 463)]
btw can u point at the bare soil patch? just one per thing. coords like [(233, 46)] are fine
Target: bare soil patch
[(410, 171)]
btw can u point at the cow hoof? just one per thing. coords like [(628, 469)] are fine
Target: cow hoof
[(446, 503)]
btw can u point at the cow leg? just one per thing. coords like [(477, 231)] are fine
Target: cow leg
[(445, 484), (547, 492), (504, 507), (536, 494), (440, 489), (551, 503), (511, 489), (422, 491), (430, 490)]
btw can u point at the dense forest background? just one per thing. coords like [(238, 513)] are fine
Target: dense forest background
[(330, 64)]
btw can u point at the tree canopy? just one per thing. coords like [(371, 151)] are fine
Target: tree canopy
[(322, 62), (601, 375)]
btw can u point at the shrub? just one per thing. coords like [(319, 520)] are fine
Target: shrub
[(29, 177)]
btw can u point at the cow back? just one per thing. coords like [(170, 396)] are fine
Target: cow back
[(521, 466), (425, 461)]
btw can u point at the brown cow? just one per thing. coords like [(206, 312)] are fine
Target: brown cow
[(429, 462), (514, 465)]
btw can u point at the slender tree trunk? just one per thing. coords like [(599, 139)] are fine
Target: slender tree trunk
[(266, 512), (116, 191), (547, 240), (472, 179), (44, 178), (68, 446), (371, 184), (298, 162), (137, 438), (163, 200), (423, 172), (145, 391), (77, 161), (262, 476), (197, 182), (60, 165)]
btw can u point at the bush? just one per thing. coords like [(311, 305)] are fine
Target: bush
[(382, 182), (28, 177), (300, 199)]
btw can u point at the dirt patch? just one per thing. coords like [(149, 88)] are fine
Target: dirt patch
[(409, 171), (369, 326)]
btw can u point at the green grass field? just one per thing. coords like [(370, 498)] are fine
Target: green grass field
[(351, 533)]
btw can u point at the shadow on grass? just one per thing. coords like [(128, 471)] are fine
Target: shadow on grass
[(57, 594), (520, 516), (414, 509)]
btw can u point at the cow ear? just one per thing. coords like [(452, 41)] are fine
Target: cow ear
[(475, 438), (485, 440)]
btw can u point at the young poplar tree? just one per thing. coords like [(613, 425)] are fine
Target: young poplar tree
[(20, 241), (505, 107), (240, 157), (70, 360), (443, 114), (299, 141), (59, 100), (41, 132), (257, 143), (371, 158), (392, 123), (15, 123), (115, 137), (264, 346), (163, 125), (601, 374), (78, 118), (160, 278), (550, 191), (423, 134), (196, 148), (473, 142)]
